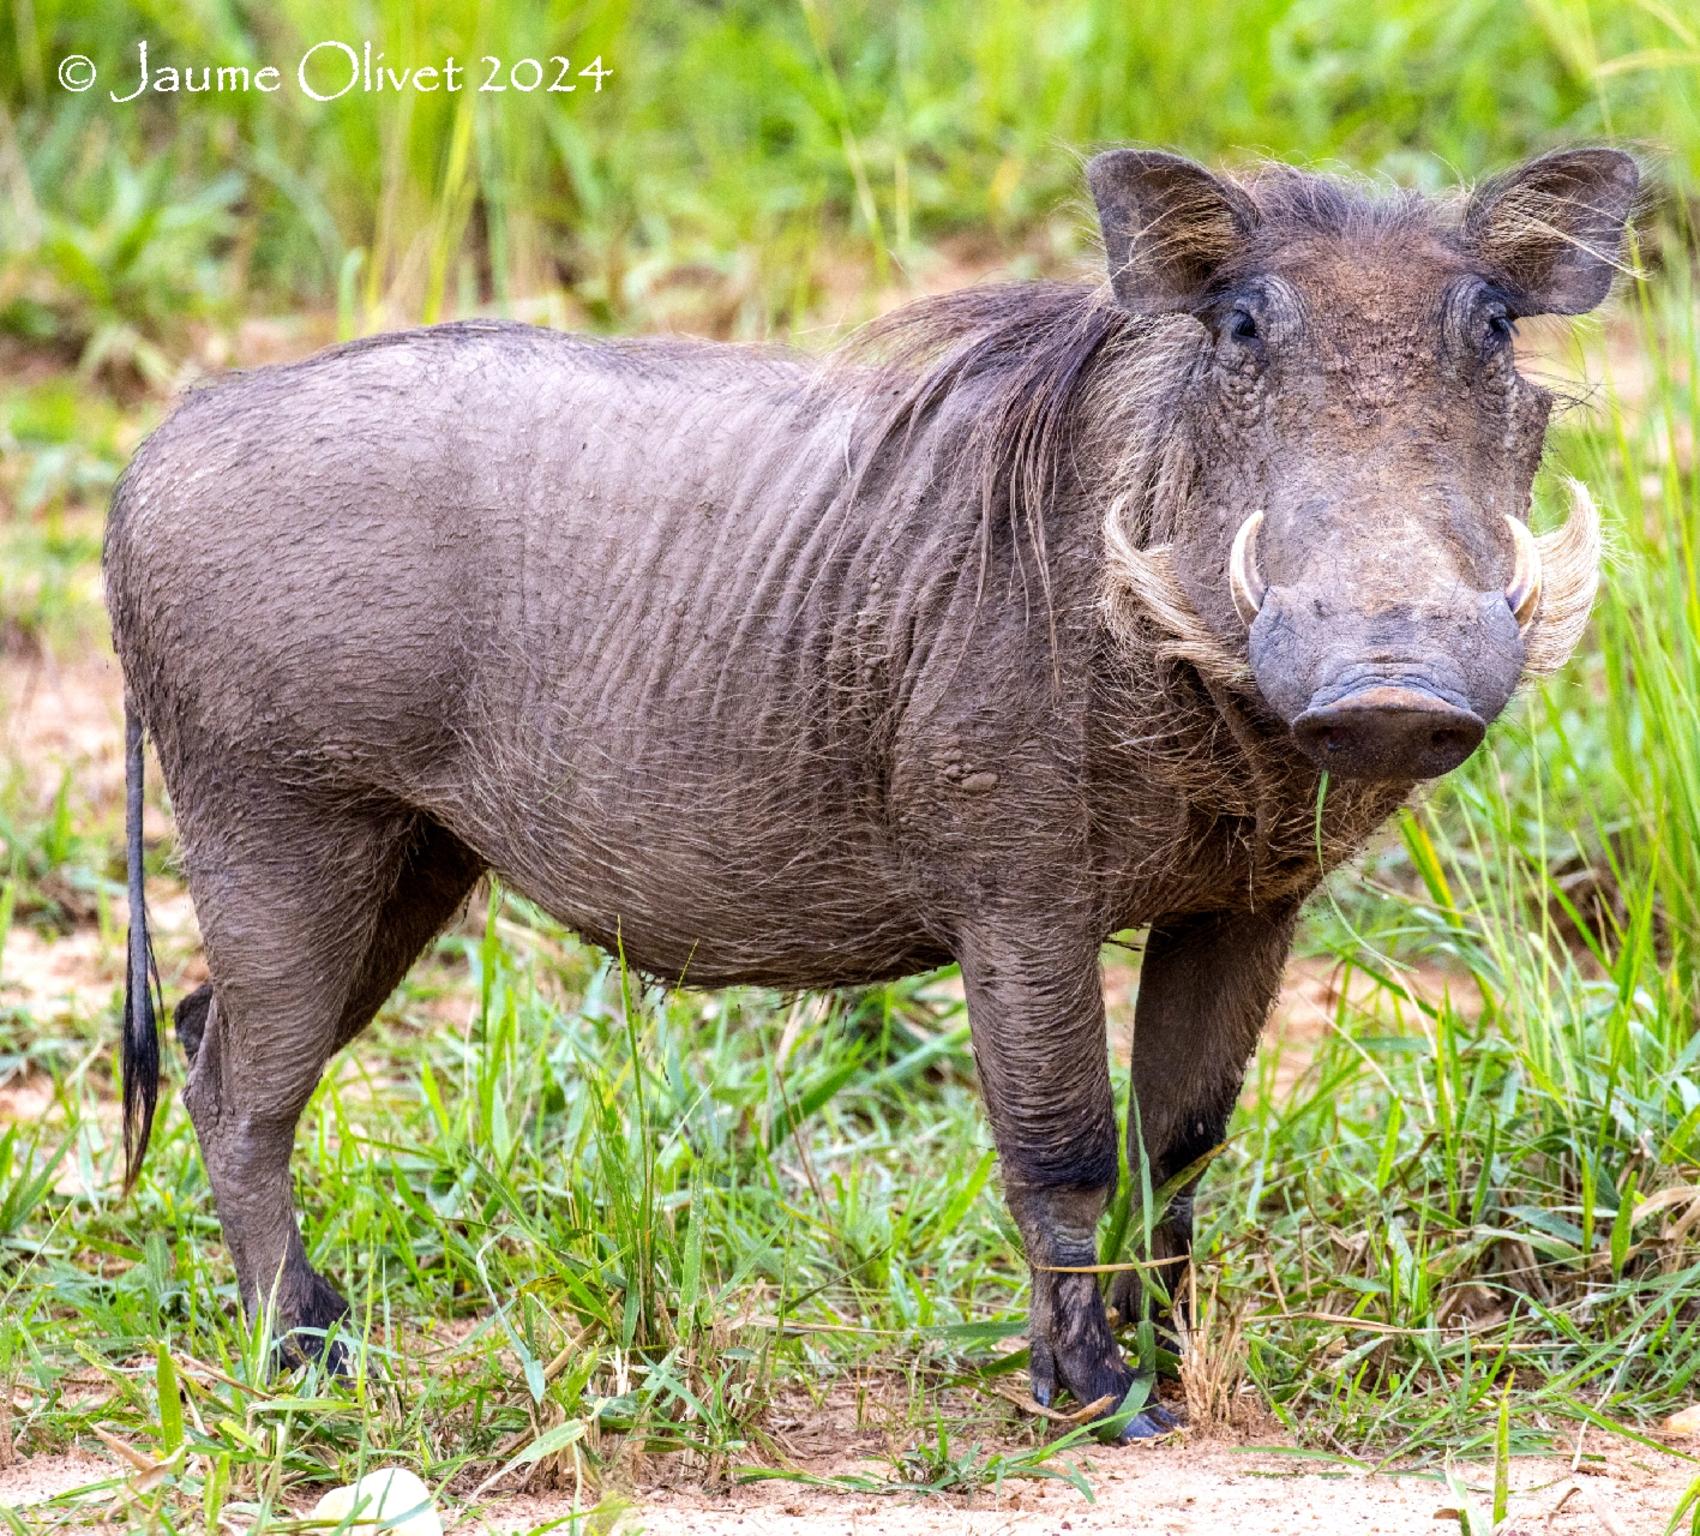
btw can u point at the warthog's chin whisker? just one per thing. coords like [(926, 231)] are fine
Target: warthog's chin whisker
[(1567, 576)]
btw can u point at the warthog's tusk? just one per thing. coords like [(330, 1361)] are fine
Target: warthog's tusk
[(1523, 591), (1244, 580)]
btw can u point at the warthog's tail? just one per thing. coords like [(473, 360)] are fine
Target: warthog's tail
[(141, 981)]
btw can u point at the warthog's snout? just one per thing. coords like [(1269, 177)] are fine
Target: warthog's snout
[(1400, 694), (1400, 690), (1389, 658), (1385, 731)]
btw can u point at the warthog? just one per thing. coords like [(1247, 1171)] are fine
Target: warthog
[(1041, 614)]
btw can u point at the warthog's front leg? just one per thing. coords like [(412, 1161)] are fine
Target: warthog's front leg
[(1205, 987), (1036, 1009)]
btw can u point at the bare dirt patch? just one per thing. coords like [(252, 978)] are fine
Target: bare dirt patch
[(1191, 1490), (29, 1483), (1184, 1488), (50, 976), (60, 717), (1173, 1489)]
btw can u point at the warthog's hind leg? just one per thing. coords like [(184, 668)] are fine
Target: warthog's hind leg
[(305, 937)]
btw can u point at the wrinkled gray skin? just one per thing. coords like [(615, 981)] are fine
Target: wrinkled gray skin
[(674, 639)]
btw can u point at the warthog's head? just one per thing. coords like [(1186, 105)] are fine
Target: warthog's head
[(1360, 442)]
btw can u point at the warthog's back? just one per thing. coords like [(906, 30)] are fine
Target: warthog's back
[(603, 611)]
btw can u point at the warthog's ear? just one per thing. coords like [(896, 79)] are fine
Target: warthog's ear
[(1552, 229), (1168, 225)]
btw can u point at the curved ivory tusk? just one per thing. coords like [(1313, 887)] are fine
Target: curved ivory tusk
[(1245, 581), (1523, 591)]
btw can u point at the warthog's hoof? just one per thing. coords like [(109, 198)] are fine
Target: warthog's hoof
[(1117, 1387), (315, 1329), (1151, 1419), (1089, 1376), (334, 1354), (1151, 1423)]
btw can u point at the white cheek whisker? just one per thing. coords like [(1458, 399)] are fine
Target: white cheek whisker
[(1569, 577)]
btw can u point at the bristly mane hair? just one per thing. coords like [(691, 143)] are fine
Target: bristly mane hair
[(1029, 354), (1291, 202)]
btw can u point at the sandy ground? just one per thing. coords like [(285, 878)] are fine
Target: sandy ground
[(1165, 1490), (1190, 1490)]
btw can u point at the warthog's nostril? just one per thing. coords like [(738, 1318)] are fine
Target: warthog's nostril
[(1385, 732)]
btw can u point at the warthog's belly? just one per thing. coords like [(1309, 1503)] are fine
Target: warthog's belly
[(712, 901)]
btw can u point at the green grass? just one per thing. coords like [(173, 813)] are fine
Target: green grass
[(583, 1221), (761, 148)]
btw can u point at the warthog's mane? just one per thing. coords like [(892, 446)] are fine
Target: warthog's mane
[(1071, 399)]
